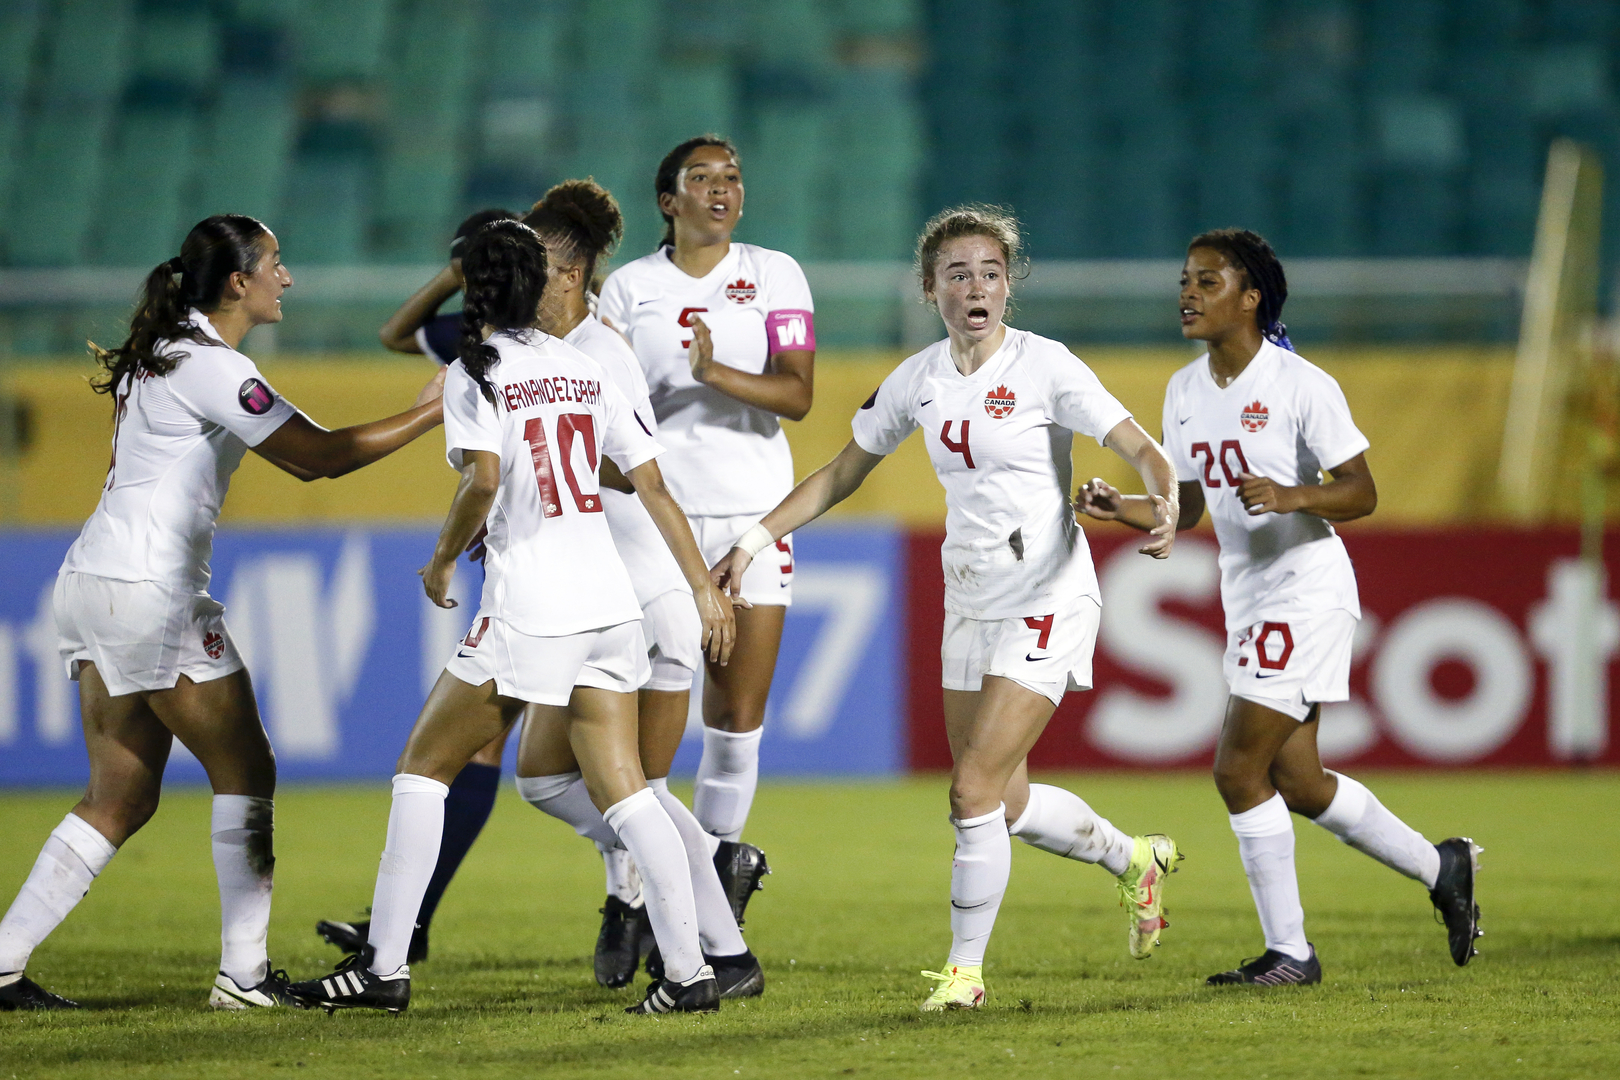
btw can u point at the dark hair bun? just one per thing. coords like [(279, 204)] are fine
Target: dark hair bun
[(592, 211)]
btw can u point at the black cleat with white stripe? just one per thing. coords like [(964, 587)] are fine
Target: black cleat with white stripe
[(354, 986), (700, 993), (1271, 968), (1453, 896), (741, 868), (20, 993)]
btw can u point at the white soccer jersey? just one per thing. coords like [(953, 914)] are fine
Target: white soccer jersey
[(653, 569), (177, 438), (1286, 419), (725, 457), (1000, 441), (551, 567)]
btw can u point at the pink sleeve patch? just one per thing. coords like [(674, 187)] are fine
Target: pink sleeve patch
[(789, 330)]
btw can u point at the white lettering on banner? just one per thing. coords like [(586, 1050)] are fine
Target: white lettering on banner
[(8, 685), (791, 331), (54, 719), (304, 649), (443, 627), (1347, 728), (1141, 637), (852, 597), (1473, 633), (1576, 630)]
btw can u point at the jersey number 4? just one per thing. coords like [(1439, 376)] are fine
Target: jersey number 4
[(1229, 450), (959, 447), (568, 426)]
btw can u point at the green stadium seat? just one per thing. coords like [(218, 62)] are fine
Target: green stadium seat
[(20, 24)]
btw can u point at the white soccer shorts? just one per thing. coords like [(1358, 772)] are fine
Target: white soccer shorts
[(1291, 666), (545, 670), (1048, 652), (768, 580), (674, 633), (141, 635)]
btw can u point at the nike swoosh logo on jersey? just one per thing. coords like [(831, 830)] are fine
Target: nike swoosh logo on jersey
[(466, 655), (1037, 659), (930, 401), (1184, 419), (1272, 675), (644, 303)]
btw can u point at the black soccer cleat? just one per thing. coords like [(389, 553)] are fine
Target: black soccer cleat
[(700, 993), (1453, 896), (351, 938), (741, 868), (23, 994), (1271, 968), (353, 986), (618, 943), (738, 976)]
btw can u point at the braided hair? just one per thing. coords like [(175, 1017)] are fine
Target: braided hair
[(504, 267), (213, 250), (1248, 252), (580, 222), (669, 170)]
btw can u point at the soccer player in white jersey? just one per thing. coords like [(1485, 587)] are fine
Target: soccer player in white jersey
[(1252, 427), (528, 419), (998, 408), (579, 222), (725, 332), (138, 631)]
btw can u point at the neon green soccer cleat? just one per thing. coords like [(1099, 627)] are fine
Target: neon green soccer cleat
[(1141, 890), (960, 988)]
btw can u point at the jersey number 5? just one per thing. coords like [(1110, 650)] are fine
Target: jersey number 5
[(960, 447), (568, 426), (1228, 447), (686, 320)]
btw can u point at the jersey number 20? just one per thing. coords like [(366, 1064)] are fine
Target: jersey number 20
[(568, 426)]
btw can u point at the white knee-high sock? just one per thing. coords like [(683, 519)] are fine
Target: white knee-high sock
[(1266, 843), (243, 831), (726, 780), (415, 828), (73, 855), (666, 885), (564, 797), (1356, 817), (979, 874), (1059, 821), (622, 880), (717, 927)]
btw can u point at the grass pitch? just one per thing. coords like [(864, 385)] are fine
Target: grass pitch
[(857, 906)]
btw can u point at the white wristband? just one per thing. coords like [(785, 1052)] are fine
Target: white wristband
[(755, 540)]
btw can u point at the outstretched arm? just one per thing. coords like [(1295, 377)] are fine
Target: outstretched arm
[(399, 332), (1157, 513), (816, 494), (719, 623), (308, 451), (475, 494)]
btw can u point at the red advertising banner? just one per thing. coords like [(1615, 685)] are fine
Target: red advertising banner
[(1467, 655)]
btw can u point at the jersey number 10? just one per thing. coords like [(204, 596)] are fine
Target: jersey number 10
[(568, 426)]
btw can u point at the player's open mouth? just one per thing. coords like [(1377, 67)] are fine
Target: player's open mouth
[(978, 317), (1188, 315), (719, 209)]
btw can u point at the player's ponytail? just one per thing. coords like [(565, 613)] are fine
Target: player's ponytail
[(213, 250), (580, 221), (669, 173), (504, 268), (1248, 252)]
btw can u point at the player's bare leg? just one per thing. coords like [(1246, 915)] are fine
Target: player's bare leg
[(733, 714)]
